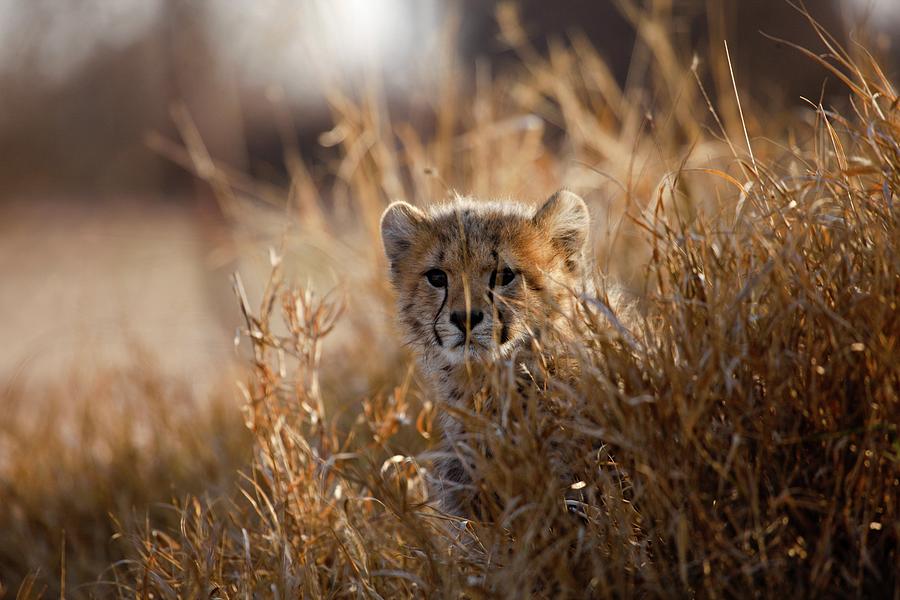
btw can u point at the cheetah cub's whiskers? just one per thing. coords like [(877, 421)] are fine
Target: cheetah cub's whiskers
[(474, 282)]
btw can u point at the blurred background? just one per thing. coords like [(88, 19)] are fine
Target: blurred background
[(109, 241)]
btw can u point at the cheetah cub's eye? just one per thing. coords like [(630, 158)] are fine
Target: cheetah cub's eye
[(436, 278), (503, 277)]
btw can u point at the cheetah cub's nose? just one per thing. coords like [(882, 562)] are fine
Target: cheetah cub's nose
[(458, 318)]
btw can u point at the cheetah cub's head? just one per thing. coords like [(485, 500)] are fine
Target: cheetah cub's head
[(476, 278)]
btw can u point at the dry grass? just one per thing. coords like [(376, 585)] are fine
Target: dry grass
[(738, 437), (90, 456)]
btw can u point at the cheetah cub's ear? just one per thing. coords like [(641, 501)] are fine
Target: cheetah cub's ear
[(564, 218), (399, 225)]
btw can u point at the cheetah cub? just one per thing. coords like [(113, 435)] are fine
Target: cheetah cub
[(474, 281)]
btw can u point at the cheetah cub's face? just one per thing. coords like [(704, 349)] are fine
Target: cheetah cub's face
[(473, 279)]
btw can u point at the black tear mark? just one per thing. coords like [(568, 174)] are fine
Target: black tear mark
[(493, 280), (504, 328), (434, 330)]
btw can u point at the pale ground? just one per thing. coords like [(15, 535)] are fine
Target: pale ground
[(86, 283)]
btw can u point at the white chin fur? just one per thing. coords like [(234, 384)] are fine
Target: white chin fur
[(479, 351)]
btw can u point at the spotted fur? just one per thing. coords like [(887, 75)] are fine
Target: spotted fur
[(507, 268)]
